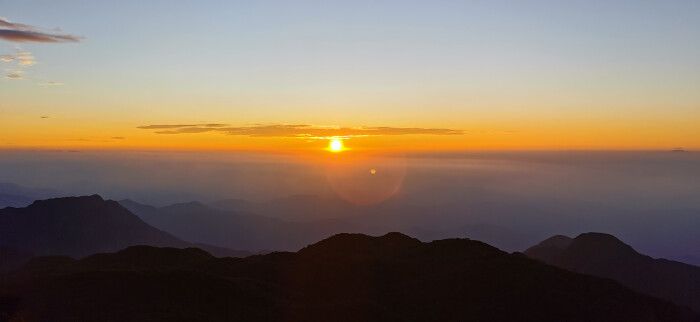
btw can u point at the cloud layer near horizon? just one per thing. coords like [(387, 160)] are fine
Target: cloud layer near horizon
[(304, 131), (18, 32)]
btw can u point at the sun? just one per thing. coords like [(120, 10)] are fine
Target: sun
[(336, 145)]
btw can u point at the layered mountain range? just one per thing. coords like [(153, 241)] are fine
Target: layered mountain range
[(93, 259), (81, 226)]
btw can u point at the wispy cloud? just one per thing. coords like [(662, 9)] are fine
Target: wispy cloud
[(177, 126), (45, 117), (18, 32), (14, 76), (303, 131), (22, 58), (52, 83), (7, 24), (111, 139)]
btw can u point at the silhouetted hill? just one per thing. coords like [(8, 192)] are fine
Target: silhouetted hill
[(358, 246), (347, 277), (149, 257), (80, 226), (606, 256)]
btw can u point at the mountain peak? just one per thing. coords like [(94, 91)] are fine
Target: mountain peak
[(600, 243), (93, 199), (549, 248), (559, 241), (346, 245), (596, 247)]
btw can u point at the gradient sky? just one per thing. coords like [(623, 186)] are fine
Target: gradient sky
[(405, 75)]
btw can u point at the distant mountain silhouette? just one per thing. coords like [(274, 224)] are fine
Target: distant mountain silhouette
[(80, 226), (387, 216), (347, 277), (294, 208), (242, 228), (606, 256), (196, 222), (12, 195), (549, 248)]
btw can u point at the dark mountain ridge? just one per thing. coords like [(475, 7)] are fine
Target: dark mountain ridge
[(606, 256), (347, 277)]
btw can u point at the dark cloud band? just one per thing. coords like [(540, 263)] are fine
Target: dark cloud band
[(35, 36), (296, 130), (18, 32)]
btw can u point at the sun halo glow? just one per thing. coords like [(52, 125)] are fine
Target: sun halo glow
[(336, 145)]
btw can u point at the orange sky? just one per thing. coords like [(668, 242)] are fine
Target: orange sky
[(471, 75)]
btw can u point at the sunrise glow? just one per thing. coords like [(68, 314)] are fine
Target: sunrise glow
[(336, 145), (272, 84)]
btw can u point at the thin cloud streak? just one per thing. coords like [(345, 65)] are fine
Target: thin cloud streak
[(7, 24), (303, 131), (18, 32), (156, 127), (36, 36)]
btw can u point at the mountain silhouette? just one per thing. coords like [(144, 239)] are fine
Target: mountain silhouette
[(549, 248), (196, 222), (606, 256), (80, 226), (13, 195), (347, 277)]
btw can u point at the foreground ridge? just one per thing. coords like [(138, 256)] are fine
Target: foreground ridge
[(347, 277)]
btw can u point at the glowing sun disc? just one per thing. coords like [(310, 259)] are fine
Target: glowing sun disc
[(336, 145)]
